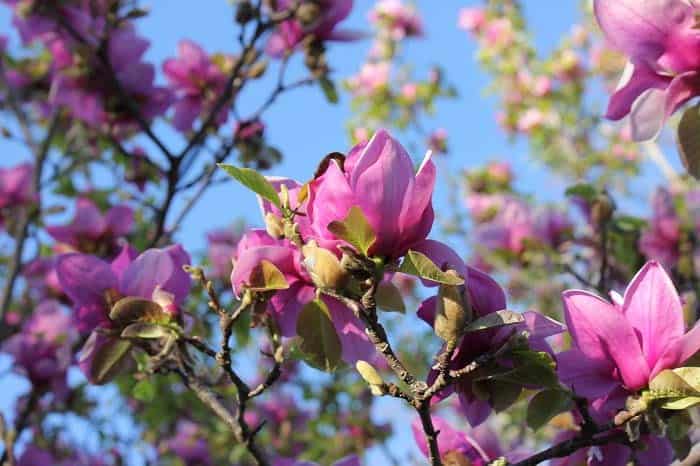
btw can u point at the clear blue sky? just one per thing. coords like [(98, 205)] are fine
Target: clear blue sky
[(306, 128)]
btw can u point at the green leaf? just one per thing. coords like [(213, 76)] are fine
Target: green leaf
[(681, 403), (389, 298), (503, 394), (670, 384), (689, 140), (145, 330), (532, 368), (545, 405), (329, 90), (419, 265), (267, 277), (108, 360), (144, 391), (584, 190), (494, 320), (131, 309), (355, 229), (319, 341), (253, 181)]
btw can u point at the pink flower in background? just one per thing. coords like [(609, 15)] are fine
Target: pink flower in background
[(222, 250), (197, 82), (471, 19), (379, 178), (16, 185), (189, 444), (451, 441), (372, 78), (660, 240), (246, 130), (501, 172), (499, 33), (43, 349), (289, 34), (617, 348), (485, 296), (42, 279), (662, 42), (285, 305), (90, 229), (437, 141), (399, 19)]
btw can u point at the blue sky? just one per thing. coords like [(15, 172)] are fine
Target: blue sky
[(306, 128)]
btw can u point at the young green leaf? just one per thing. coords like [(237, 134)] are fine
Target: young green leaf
[(531, 368), (144, 391), (689, 140), (108, 360), (329, 90), (545, 405), (145, 330), (681, 403), (494, 320), (388, 298), (267, 277), (355, 229), (419, 265), (319, 341), (253, 181)]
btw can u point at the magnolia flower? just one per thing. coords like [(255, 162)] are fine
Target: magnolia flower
[(371, 78), (89, 229), (42, 350), (454, 445), (351, 460), (16, 185), (485, 297), (94, 285), (189, 444), (617, 348), (285, 305), (400, 19), (221, 250), (662, 42), (197, 82), (378, 177), (290, 33), (659, 241)]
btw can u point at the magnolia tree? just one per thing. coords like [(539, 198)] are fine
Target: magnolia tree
[(514, 348)]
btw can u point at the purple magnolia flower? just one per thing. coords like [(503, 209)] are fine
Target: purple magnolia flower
[(88, 98), (285, 305), (617, 348), (41, 278), (90, 229), (662, 41), (16, 187), (485, 296), (378, 177), (35, 456), (197, 81), (94, 285), (189, 444), (351, 460), (658, 452), (222, 250), (290, 33), (43, 349), (451, 442), (660, 241)]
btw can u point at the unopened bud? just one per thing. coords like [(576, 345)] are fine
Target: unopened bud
[(257, 69), (274, 225), (453, 311), (245, 12), (324, 267), (308, 13), (602, 209), (372, 377)]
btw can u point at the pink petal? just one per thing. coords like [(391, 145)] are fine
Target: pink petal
[(653, 308), (85, 278), (586, 377), (636, 79), (119, 220)]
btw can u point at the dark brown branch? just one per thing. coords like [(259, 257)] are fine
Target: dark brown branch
[(19, 425)]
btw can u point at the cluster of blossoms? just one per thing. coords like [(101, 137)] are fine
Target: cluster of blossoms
[(543, 95)]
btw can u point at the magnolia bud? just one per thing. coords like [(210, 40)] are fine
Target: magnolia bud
[(324, 267), (274, 225), (453, 311), (308, 13), (372, 377), (245, 12), (602, 209)]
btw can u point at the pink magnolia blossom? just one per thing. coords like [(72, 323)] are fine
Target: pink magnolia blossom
[(662, 42), (285, 305), (485, 296), (94, 285), (197, 82), (658, 452), (351, 460), (89, 229), (16, 185), (399, 19), (471, 19), (617, 348), (451, 440), (372, 78), (221, 250), (42, 350), (379, 178), (660, 241), (289, 34), (189, 444)]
